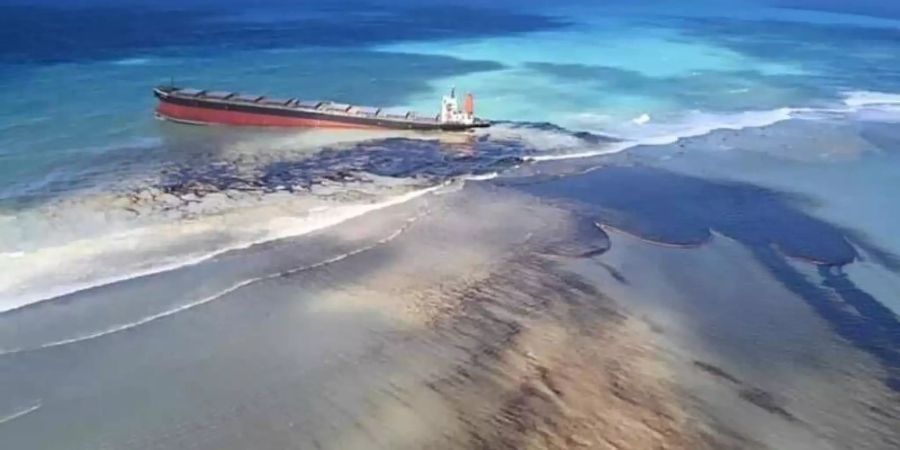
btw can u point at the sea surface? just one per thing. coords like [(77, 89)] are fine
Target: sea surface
[(739, 158)]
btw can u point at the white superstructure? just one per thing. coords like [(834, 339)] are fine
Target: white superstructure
[(451, 113)]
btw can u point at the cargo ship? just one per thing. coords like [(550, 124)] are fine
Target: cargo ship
[(194, 106)]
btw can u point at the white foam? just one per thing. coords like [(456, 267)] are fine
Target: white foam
[(274, 229), (658, 128), (614, 148), (132, 62), (698, 123), (647, 130), (642, 119), (481, 177), (874, 106), (640, 132), (212, 297), (21, 413), (860, 99)]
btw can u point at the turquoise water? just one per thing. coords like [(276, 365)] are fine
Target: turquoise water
[(72, 99)]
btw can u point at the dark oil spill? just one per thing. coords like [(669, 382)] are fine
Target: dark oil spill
[(425, 159), (675, 209)]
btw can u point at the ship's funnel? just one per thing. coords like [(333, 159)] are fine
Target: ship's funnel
[(469, 104)]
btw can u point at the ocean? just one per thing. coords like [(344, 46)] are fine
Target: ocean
[(723, 173)]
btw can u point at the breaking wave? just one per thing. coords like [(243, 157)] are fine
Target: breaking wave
[(859, 99), (632, 133), (132, 61), (213, 297), (645, 130), (317, 219), (22, 413)]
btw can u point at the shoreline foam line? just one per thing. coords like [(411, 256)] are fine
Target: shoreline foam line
[(607, 151), (21, 413), (853, 101), (743, 120), (50, 295), (862, 99), (215, 296)]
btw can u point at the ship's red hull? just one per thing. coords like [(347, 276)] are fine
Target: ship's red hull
[(200, 115), (229, 108)]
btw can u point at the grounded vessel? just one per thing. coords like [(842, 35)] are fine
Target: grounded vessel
[(201, 107)]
